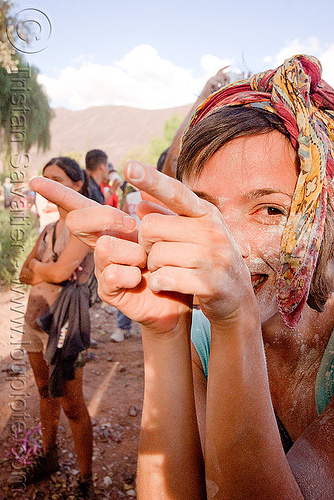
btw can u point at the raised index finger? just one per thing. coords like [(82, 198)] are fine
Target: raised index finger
[(173, 194), (62, 196)]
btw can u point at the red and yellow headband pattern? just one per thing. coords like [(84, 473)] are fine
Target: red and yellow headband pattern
[(297, 94)]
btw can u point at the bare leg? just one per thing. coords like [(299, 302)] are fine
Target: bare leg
[(49, 407), (76, 411)]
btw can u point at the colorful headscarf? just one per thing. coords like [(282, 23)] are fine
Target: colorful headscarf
[(297, 94)]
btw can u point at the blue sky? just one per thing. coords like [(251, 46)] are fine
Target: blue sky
[(154, 54)]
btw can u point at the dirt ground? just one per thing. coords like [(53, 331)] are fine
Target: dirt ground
[(113, 388)]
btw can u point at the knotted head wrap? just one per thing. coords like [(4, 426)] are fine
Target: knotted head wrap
[(305, 103)]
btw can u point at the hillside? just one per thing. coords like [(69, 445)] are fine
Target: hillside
[(114, 129)]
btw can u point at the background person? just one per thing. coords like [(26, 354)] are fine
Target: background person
[(47, 212), (56, 259), (109, 188), (98, 168), (7, 192)]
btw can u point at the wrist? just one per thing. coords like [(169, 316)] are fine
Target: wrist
[(158, 331), (243, 320)]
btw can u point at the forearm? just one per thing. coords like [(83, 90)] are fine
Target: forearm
[(26, 274), (170, 463), (28, 277), (51, 272), (243, 454), (311, 457)]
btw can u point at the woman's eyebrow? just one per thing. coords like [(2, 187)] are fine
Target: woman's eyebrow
[(253, 195), (206, 196), (258, 193)]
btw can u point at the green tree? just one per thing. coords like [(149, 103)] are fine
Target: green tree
[(12, 256), (77, 156), (25, 113), (6, 51), (152, 152), (171, 126)]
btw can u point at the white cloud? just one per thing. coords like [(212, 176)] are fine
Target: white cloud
[(140, 79), (211, 64), (312, 46)]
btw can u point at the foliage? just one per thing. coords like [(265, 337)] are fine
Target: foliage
[(6, 50), (77, 156), (24, 114), (13, 256), (24, 107), (151, 154), (38, 117), (170, 128)]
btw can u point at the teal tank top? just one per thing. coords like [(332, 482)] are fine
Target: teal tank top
[(324, 386)]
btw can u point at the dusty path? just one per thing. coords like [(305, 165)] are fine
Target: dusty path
[(113, 388)]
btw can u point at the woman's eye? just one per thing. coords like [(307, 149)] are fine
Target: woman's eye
[(270, 214), (275, 211)]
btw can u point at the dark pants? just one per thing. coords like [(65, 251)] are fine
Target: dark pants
[(123, 321)]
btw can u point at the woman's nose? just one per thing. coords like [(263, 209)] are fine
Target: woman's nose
[(244, 248), (239, 233)]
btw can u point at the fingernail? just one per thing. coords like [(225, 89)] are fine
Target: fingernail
[(125, 223), (130, 224), (135, 171)]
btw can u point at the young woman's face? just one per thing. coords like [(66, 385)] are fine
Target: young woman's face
[(57, 174), (252, 180)]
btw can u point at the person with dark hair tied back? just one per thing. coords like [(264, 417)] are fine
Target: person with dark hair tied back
[(239, 395), (59, 262)]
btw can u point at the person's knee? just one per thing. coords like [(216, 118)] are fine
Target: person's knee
[(72, 410)]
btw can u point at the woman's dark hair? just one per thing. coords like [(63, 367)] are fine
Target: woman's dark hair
[(73, 170), (203, 140)]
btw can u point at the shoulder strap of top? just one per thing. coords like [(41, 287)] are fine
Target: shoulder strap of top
[(201, 338), (54, 253), (324, 385)]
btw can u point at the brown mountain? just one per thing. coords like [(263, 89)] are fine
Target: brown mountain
[(114, 129)]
